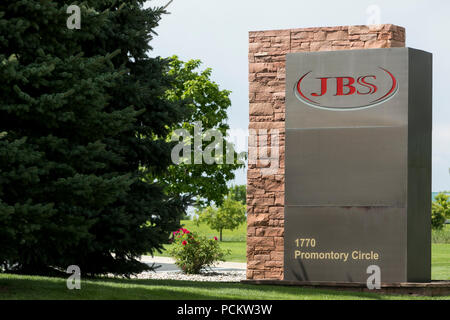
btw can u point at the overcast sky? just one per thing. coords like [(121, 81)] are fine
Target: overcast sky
[(216, 31)]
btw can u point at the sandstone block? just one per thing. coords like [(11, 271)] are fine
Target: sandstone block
[(337, 35), (320, 36), (261, 109), (255, 220), (358, 30), (261, 241)]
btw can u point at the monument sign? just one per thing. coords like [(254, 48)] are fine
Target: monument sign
[(358, 165)]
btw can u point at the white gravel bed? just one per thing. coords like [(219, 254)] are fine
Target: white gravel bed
[(214, 276)]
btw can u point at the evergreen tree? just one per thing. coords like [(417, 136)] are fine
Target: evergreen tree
[(83, 121)]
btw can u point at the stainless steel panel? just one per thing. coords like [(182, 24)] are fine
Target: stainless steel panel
[(354, 63), (346, 167), (345, 230), (358, 162), (419, 166)]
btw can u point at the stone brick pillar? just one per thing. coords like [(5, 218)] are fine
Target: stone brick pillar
[(265, 193)]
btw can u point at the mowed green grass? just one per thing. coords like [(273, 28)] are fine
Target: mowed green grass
[(235, 235), (440, 261), (32, 287), (44, 288)]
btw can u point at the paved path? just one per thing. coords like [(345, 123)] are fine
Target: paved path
[(168, 264)]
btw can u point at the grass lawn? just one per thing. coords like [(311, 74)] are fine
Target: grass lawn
[(238, 234), (31, 287), (440, 261)]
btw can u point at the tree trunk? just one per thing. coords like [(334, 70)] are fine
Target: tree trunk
[(220, 235)]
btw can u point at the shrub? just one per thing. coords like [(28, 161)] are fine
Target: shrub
[(440, 211), (437, 216), (441, 236), (185, 216), (193, 253)]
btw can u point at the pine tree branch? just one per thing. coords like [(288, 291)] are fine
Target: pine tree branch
[(168, 3)]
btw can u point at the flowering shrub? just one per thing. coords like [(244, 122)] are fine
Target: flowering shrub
[(193, 252)]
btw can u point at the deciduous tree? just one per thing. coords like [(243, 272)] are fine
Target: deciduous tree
[(204, 182), (230, 215)]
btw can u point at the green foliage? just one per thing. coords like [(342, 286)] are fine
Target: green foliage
[(193, 253), (238, 234), (238, 193), (209, 104), (74, 106), (440, 211), (186, 217), (228, 216), (437, 216), (442, 235)]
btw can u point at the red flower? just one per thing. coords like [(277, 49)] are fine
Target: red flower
[(184, 242), (215, 238)]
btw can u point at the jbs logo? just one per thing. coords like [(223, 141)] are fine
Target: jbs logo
[(350, 92)]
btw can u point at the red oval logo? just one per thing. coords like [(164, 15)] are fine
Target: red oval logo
[(346, 92)]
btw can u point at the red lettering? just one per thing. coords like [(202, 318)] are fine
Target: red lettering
[(346, 86), (372, 88), (323, 86), (340, 86)]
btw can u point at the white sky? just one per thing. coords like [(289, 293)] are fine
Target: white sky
[(216, 31)]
